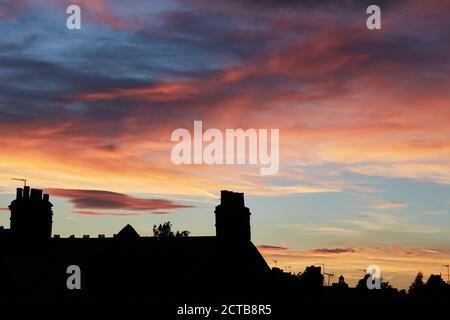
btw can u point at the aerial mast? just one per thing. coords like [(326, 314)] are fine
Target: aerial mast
[(448, 272), (23, 180)]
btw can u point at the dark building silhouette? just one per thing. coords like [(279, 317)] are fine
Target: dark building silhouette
[(341, 283), (31, 215), (128, 265), (312, 277), (127, 233)]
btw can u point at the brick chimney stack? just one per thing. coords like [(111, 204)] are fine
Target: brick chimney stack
[(232, 218), (31, 214)]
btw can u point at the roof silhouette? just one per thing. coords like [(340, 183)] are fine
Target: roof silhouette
[(116, 267), (225, 267), (127, 233)]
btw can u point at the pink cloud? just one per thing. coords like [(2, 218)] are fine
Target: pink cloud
[(99, 199), (109, 214)]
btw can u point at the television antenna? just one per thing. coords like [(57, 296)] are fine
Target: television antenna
[(330, 275), (323, 270), (448, 272), (23, 180)]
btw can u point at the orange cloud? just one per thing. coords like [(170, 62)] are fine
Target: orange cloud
[(336, 97)]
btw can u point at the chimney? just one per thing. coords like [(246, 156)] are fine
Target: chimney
[(239, 199), (232, 218), (46, 197), (26, 192), (31, 215), (232, 199), (224, 197), (36, 194), (19, 193)]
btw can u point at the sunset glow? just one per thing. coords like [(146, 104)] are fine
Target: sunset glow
[(363, 119)]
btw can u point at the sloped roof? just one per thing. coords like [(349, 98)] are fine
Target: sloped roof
[(127, 233), (144, 267)]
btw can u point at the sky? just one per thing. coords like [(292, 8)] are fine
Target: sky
[(363, 117)]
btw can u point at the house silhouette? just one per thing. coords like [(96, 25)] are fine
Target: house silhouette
[(33, 264)]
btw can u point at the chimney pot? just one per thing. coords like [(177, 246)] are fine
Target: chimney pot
[(26, 192), (19, 193), (36, 194)]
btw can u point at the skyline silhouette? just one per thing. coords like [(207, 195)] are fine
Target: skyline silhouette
[(364, 139), (270, 253), (127, 265)]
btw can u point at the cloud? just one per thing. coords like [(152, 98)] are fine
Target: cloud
[(438, 213), (333, 250), (266, 247), (430, 251), (327, 230), (109, 214), (390, 204), (99, 199), (381, 223), (10, 9), (312, 71)]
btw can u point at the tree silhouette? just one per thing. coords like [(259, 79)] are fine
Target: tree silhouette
[(436, 285), (418, 286), (362, 283), (388, 289), (385, 285), (182, 234), (165, 231)]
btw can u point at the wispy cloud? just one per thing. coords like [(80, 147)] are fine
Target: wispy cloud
[(266, 247), (332, 250), (100, 199), (430, 251), (326, 230), (388, 222), (299, 71), (390, 204), (109, 214), (438, 212)]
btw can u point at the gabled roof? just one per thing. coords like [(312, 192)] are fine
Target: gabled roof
[(127, 233)]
